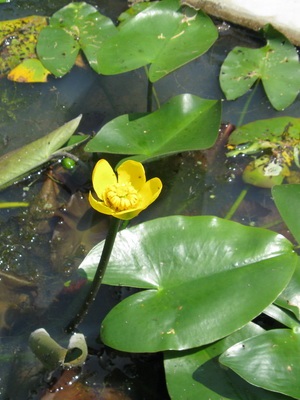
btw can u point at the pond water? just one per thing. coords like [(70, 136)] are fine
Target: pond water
[(41, 248)]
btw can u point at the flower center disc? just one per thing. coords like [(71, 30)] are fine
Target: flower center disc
[(121, 196)]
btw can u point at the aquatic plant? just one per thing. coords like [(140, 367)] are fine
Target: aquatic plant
[(123, 196), (204, 279)]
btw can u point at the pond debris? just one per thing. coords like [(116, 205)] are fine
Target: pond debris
[(274, 145), (53, 355), (17, 294)]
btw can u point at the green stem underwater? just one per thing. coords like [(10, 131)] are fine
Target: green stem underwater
[(151, 92), (246, 106), (236, 204), (96, 283)]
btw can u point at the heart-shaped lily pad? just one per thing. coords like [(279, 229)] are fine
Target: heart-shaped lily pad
[(76, 26), (163, 35), (202, 276), (276, 64)]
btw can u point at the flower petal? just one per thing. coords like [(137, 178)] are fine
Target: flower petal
[(99, 205), (102, 177), (133, 172), (127, 215), (149, 192)]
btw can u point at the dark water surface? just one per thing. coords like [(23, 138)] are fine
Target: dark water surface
[(40, 249)]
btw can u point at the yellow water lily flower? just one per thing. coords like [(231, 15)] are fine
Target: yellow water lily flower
[(123, 195)]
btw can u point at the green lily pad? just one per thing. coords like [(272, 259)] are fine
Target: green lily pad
[(289, 298), (18, 162), (186, 122), (276, 64), (287, 200), (202, 276), (274, 130), (133, 10), (197, 373), (77, 26), (281, 315), (269, 360), (163, 35)]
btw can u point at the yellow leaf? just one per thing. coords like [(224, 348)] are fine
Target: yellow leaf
[(18, 39), (31, 70)]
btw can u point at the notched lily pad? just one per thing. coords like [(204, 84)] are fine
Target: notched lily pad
[(77, 26), (196, 271), (276, 64), (162, 35)]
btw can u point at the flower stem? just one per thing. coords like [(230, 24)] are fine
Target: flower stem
[(90, 297), (246, 106), (151, 92)]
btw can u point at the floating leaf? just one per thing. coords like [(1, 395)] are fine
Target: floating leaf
[(30, 70), (281, 315), (273, 130), (133, 10), (18, 39), (287, 200), (18, 162), (276, 64), (74, 27), (202, 275), (269, 360), (186, 122), (197, 374), (162, 35)]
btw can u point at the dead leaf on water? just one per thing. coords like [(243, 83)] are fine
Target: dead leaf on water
[(30, 70), (18, 39)]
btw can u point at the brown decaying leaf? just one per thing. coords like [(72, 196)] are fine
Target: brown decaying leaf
[(16, 293)]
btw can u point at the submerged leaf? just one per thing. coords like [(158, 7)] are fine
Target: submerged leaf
[(276, 64), (162, 35), (202, 276), (186, 122), (18, 162)]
